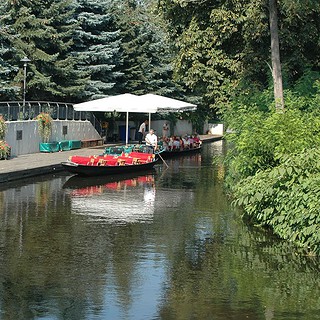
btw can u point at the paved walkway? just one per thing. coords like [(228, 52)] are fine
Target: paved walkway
[(34, 164)]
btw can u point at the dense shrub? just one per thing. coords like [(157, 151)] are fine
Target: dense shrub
[(261, 139), (273, 167), (286, 198)]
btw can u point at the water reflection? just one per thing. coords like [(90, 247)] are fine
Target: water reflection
[(114, 199), (185, 254)]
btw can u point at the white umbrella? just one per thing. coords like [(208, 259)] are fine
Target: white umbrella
[(120, 103), (148, 103), (165, 104), (126, 102)]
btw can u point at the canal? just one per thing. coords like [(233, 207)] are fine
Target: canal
[(162, 245)]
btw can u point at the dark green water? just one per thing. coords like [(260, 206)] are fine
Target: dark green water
[(164, 245)]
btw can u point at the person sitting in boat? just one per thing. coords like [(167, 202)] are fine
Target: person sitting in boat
[(191, 142), (186, 142), (163, 144), (170, 143), (151, 141), (196, 140), (181, 143), (176, 144)]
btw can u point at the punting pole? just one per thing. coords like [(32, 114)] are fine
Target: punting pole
[(160, 156)]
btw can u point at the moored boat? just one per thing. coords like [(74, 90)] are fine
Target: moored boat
[(165, 153), (110, 164), (178, 146)]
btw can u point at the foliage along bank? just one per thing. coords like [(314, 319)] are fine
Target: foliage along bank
[(274, 165)]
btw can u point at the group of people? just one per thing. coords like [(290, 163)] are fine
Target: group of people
[(177, 143), (173, 143)]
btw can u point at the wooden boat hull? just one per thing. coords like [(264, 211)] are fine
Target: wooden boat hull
[(171, 154), (87, 170)]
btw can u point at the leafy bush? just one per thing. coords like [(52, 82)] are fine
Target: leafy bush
[(5, 150), (286, 198), (3, 127), (259, 140), (44, 125), (273, 166)]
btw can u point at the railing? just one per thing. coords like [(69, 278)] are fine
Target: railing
[(15, 110)]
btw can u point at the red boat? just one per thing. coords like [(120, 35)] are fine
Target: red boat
[(110, 164)]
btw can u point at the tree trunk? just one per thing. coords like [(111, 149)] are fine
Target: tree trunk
[(275, 56)]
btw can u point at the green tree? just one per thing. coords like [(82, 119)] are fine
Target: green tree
[(43, 31), (223, 47), (208, 42), (97, 46), (7, 71), (145, 51)]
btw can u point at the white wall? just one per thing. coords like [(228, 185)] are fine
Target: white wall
[(213, 128), (76, 130), (181, 128)]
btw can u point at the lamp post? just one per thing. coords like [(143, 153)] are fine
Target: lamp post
[(25, 61)]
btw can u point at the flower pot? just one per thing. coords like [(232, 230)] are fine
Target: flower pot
[(5, 151), (49, 146)]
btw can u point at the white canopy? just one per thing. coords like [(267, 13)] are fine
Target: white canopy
[(127, 102), (165, 104)]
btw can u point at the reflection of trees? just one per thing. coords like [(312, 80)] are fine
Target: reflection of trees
[(58, 263), (222, 270)]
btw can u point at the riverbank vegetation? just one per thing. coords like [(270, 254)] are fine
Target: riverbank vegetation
[(274, 166)]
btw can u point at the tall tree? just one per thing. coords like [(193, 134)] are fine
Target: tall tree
[(97, 46), (43, 31), (275, 55), (207, 39), (7, 71), (147, 65), (223, 47)]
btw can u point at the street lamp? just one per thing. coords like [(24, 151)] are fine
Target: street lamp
[(25, 61)]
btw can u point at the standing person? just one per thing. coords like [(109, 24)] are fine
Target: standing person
[(151, 140), (142, 131), (165, 130)]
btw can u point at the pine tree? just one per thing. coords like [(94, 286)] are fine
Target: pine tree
[(97, 46), (146, 60), (43, 31), (7, 71)]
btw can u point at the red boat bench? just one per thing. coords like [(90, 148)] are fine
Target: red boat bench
[(132, 158), (142, 157)]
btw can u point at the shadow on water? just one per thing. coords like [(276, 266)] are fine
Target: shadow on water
[(161, 245)]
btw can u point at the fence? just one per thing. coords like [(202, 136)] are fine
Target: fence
[(15, 110)]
